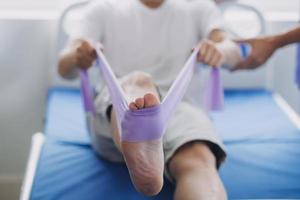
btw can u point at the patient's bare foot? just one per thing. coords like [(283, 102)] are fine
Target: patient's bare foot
[(145, 159)]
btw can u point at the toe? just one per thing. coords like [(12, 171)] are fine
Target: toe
[(150, 100), (140, 102), (132, 106)]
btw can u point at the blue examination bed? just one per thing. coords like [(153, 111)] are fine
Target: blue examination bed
[(263, 146)]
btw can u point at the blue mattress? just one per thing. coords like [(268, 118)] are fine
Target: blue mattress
[(263, 148)]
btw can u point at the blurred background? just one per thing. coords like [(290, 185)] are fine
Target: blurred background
[(28, 39)]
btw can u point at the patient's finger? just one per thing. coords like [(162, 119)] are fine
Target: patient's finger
[(203, 49), (86, 45), (209, 54), (91, 58), (86, 52), (216, 60), (84, 62), (86, 49), (93, 54)]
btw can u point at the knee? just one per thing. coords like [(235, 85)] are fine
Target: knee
[(190, 157), (142, 78)]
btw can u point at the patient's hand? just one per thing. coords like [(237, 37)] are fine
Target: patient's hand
[(84, 55), (210, 54), (78, 54)]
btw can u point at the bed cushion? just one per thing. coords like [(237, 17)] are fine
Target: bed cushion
[(263, 148)]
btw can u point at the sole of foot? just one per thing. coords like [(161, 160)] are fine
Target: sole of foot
[(145, 160)]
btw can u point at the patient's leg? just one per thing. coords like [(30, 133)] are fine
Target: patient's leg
[(194, 168), (144, 159)]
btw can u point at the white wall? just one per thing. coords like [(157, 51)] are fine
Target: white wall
[(274, 5), (24, 62), (284, 63), (45, 5)]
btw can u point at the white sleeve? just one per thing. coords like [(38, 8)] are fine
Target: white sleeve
[(92, 24), (208, 17)]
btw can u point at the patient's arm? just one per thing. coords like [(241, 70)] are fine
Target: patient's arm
[(219, 50), (78, 54)]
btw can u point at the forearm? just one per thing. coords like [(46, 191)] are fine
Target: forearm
[(292, 36), (67, 66)]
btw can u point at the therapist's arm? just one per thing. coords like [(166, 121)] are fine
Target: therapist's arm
[(264, 47), (79, 54)]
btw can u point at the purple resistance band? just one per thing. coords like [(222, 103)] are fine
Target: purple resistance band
[(86, 92), (149, 123), (213, 98), (144, 124), (214, 92)]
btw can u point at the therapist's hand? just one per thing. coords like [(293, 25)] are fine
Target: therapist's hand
[(84, 55), (209, 54), (261, 50)]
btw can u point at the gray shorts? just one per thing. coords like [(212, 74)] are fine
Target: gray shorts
[(188, 124)]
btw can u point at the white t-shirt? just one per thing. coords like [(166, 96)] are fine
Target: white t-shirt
[(157, 41)]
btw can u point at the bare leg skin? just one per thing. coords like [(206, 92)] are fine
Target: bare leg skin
[(194, 168), (144, 160)]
